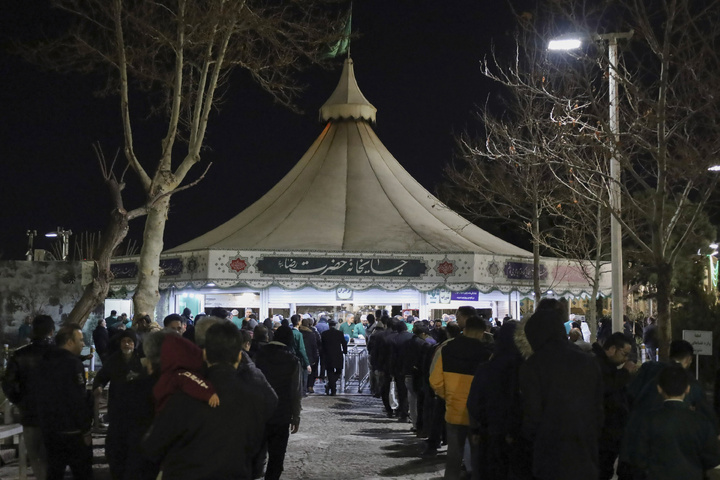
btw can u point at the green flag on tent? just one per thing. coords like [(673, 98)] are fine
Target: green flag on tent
[(342, 46)]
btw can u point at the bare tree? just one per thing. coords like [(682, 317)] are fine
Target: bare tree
[(668, 110), (115, 232), (181, 54), (506, 174)]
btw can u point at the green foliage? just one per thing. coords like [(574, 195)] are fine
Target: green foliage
[(699, 311)]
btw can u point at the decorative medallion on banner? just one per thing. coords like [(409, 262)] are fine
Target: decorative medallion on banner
[(445, 267), (237, 265), (493, 269), (192, 265)]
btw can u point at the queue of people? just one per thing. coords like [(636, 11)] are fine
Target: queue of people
[(528, 400), (511, 400)]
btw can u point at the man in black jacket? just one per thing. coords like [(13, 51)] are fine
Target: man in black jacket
[(398, 345), (613, 354), (66, 408), (334, 348), (282, 370), (101, 339), (562, 400), (191, 438), (20, 387)]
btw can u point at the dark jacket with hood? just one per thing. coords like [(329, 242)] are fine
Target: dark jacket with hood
[(494, 400), (562, 395), (282, 370)]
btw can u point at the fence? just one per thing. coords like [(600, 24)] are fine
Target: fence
[(356, 373)]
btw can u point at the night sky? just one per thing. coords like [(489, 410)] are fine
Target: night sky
[(416, 61)]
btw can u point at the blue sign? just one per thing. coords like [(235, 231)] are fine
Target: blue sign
[(468, 296)]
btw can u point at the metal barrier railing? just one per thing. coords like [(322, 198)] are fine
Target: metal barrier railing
[(356, 371)]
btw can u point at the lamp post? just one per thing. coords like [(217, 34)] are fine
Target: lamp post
[(568, 43), (65, 238), (30, 254)]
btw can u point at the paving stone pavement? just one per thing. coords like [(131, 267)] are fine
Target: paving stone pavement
[(341, 437)]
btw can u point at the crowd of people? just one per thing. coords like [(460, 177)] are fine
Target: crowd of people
[(511, 400), (177, 394), (532, 400)]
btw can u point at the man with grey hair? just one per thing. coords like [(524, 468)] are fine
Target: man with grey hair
[(202, 326)]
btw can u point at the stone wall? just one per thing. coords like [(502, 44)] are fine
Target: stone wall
[(32, 288)]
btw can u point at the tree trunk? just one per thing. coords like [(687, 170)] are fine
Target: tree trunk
[(591, 319), (536, 258), (115, 232), (147, 295), (664, 324)]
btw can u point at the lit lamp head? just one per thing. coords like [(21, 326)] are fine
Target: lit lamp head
[(565, 43)]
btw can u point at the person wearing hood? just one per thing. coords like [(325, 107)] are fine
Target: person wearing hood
[(130, 408), (494, 407), (282, 370), (562, 395)]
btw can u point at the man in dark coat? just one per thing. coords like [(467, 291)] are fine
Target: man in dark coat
[(613, 354), (21, 388), (562, 400), (676, 442), (334, 347), (399, 343), (312, 340), (644, 396), (101, 339), (380, 353), (66, 411), (191, 439), (494, 407), (282, 370)]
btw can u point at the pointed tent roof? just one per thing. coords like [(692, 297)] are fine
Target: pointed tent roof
[(348, 193)]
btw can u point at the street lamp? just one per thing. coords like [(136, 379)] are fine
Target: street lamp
[(31, 234), (65, 236), (567, 43)]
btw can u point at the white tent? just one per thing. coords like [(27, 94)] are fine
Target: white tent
[(348, 193), (349, 223)]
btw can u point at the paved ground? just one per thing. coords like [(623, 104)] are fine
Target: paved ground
[(343, 437)]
